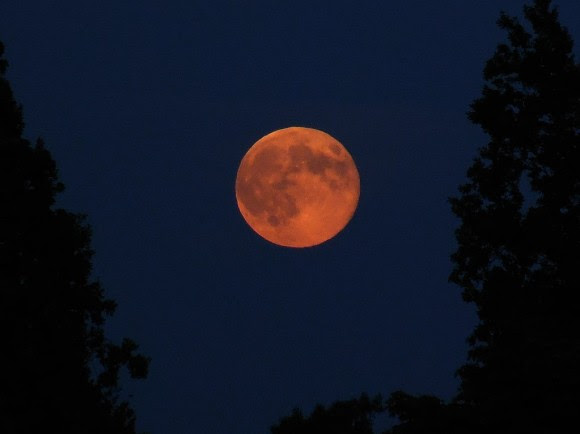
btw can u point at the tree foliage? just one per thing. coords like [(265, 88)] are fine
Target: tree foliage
[(354, 416), (58, 371), (517, 258)]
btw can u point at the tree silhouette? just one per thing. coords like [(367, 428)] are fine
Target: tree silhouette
[(58, 372), (343, 417), (518, 255), (518, 242)]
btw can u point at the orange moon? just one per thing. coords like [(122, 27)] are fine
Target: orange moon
[(297, 187)]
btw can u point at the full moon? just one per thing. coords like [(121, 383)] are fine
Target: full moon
[(297, 187)]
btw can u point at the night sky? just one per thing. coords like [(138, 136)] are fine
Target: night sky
[(148, 108)]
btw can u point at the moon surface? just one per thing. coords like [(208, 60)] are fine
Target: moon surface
[(297, 187)]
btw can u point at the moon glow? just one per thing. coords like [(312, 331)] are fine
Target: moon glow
[(297, 187)]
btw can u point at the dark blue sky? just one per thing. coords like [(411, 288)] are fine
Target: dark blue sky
[(148, 108)]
